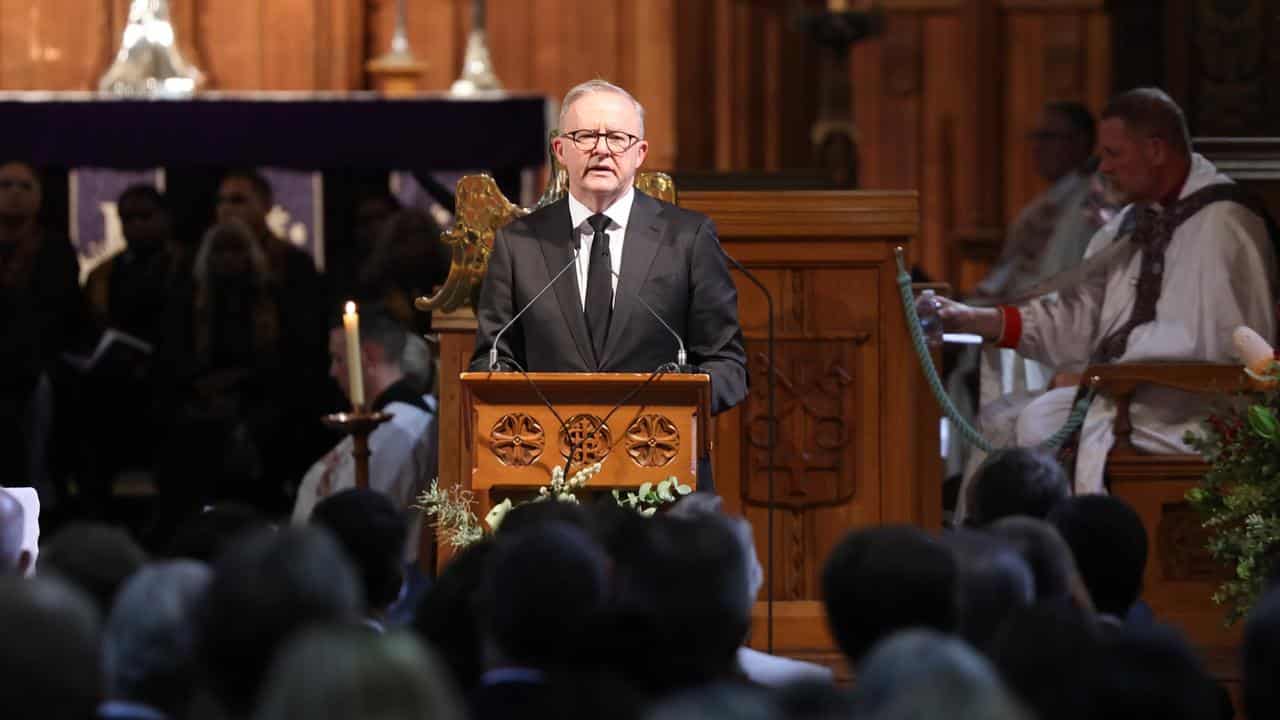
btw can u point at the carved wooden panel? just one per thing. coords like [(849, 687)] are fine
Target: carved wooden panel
[(1182, 546), (517, 439), (586, 438), (652, 440)]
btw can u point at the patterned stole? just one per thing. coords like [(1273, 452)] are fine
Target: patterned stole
[(1152, 233)]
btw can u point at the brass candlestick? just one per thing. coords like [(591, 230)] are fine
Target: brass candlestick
[(478, 77), (397, 72), (358, 424)]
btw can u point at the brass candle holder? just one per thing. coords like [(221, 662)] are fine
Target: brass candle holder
[(358, 424)]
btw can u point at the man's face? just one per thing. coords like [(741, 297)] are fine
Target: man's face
[(19, 192), (599, 173), (1057, 147), (237, 200), (145, 224), (1129, 162)]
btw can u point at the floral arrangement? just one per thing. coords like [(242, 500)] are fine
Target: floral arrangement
[(450, 512), (1240, 495)]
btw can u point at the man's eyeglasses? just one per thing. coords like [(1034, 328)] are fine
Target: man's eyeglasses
[(616, 140)]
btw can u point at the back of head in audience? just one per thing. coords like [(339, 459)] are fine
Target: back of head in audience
[(884, 579), (707, 504), (447, 618), (341, 673), (205, 534), (682, 591), (537, 514), (1261, 654), (1015, 481), (722, 701), (96, 558), (924, 674), (13, 559), (372, 532), (266, 587), (1044, 653), (1110, 548), (993, 580), (148, 644), (49, 663), (541, 590), (1151, 673), (1056, 578)]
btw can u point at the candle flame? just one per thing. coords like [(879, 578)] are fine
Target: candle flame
[(351, 308)]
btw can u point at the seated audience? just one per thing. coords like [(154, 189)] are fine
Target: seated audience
[(49, 663), (403, 450), (206, 533), (681, 597), (884, 579), (1045, 654), (1014, 481), (1109, 544), (1152, 673), (761, 668), (542, 589), (266, 588), (1261, 658), (1057, 581), (230, 389), (925, 674), (343, 674), (96, 558), (408, 261), (42, 314), (448, 617), (14, 560), (722, 701), (992, 580), (372, 532), (148, 643)]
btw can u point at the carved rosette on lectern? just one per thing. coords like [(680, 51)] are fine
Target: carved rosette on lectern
[(639, 431)]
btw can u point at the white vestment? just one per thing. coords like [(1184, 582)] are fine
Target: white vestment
[(1219, 272), (402, 461)]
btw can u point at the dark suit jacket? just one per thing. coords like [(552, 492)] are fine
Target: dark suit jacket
[(670, 256)]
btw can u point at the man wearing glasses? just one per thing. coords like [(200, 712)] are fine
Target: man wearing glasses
[(629, 246)]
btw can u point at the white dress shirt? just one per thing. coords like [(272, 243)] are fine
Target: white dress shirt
[(619, 212)]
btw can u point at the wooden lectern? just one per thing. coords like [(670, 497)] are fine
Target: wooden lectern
[(640, 427)]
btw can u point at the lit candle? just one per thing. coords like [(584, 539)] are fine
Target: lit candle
[(351, 324), (836, 6)]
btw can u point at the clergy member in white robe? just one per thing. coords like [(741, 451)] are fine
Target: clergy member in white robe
[(1218, 271), (402, 451)]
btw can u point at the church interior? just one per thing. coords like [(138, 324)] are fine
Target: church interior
[(982, 424)]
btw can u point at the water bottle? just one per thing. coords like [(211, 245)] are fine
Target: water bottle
[(930, 321)]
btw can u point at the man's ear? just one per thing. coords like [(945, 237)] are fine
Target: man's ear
[(1157, 151)]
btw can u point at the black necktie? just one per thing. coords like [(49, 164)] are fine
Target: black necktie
[(599, 304)]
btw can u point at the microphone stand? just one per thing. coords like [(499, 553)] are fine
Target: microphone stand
[(770, 385)]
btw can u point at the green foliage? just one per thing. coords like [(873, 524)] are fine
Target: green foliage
[(1240, 497)]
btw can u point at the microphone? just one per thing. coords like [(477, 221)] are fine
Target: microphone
[(493, 349), (681, 365)]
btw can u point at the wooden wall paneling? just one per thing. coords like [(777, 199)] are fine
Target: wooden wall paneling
[(1023, 98), (289, 38), (233, 37), (939, 185), (697, 120), (724, 96), (648, 62), (55, 44)]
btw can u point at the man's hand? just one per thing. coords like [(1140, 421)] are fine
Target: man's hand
[(961, 318)]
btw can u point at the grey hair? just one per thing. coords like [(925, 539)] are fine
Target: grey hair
[(703, 504), (12, 519), (257, 257), (597, 85), (925, 674), (150, 634)]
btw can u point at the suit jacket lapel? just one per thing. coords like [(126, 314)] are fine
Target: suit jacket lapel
[(556, 240), (644, 235)]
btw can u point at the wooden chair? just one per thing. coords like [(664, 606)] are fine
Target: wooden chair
[(1180, 576)]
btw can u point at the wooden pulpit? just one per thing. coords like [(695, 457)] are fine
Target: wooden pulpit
[(639, 427)]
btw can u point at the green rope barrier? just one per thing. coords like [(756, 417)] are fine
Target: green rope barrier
[(966, 430)]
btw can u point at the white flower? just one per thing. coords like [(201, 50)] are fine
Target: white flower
[(648, 512), (664, 491), (499, 511)]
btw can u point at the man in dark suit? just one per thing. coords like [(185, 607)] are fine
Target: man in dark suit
[(631, 244)]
